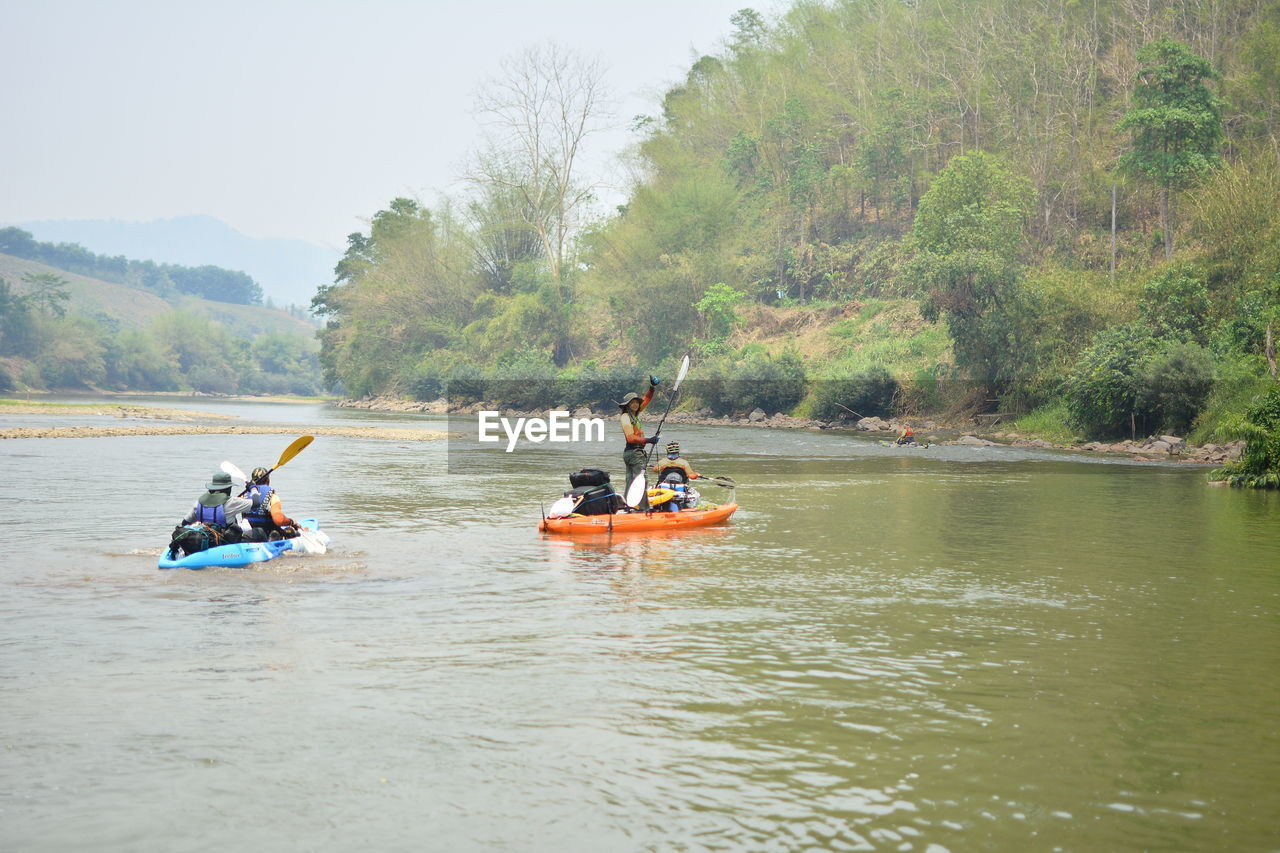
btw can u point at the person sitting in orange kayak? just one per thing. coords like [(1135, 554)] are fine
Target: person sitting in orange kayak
[(908, 436), (675, 473), (673, 463)]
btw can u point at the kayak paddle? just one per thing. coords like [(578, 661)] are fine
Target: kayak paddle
[(231, 470), (292, 450), (635, 491), (562, 507), (310, 542), (723, 482)]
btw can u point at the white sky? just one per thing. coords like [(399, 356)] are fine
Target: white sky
[(291, 118)]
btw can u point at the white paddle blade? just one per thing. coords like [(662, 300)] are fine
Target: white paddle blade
[(308, 542), (234, 472), (635, 491), (684, 369), (561, 508)]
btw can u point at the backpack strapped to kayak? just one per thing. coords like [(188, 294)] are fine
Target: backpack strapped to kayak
[(191, 538), (589, 477), (595, 500)]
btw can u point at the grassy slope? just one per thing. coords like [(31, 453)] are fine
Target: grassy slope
[(134, 308), (849, 336), (90, 296)]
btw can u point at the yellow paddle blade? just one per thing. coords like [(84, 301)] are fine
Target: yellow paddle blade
[(294, 449)]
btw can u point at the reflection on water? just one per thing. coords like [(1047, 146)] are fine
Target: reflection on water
[(953, 650)]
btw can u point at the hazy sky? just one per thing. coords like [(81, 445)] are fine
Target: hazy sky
[(290, 118)]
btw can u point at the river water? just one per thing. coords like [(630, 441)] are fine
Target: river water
[(950, 649)]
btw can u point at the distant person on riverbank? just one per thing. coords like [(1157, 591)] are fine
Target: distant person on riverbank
[(908, 435), (267, 519), (213, 520), (634, 456)]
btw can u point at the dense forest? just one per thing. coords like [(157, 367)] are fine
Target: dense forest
[(53, 335)]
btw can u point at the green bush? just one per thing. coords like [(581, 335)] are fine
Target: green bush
[(465, 385), (719, 317), (262, 382), (1176, 305), (7, 382), (1049, 422), (136, 360), (771, 384), (212, 380), (869, 393), (1259, 464), (597, 387), (525, 381), (1238, 383), (1102, 390), (424, 381), (753, 380), (1173, 386)]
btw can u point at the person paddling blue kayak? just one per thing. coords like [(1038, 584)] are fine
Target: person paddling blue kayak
[(214, 519)]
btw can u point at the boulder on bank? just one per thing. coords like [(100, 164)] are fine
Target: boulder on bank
[(873, 425), (756, 415), (970, 440)]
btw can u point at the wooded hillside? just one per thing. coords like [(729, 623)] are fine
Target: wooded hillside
[(1082, 197)]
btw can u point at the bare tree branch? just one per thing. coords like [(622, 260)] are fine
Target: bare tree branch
[(541, 109)]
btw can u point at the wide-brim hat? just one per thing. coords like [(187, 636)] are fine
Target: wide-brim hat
[(212, 499), (622, 404), (220, 481)]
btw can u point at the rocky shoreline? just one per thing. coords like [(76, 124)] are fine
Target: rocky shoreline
[(1164, 448)]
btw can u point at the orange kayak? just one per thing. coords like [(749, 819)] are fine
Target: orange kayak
[(628, 522)]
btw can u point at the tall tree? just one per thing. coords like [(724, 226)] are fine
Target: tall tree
[(1176, 124), (969, 242), (543, 107)]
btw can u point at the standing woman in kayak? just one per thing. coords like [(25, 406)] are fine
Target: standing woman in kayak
[(634, 456)]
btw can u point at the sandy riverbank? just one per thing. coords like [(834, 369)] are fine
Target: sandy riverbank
[(389, 434), (381, 433), (24, 407), (182, 422)]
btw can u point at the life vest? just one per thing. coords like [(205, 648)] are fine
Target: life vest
[(260, 516), (213, 515), (635, 439)]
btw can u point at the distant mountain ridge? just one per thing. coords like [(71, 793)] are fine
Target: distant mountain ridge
[(289, 271)]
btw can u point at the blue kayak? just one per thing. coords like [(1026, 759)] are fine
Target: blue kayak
[(237, 555)]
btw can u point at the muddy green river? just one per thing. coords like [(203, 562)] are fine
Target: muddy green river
[(943, 650)]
